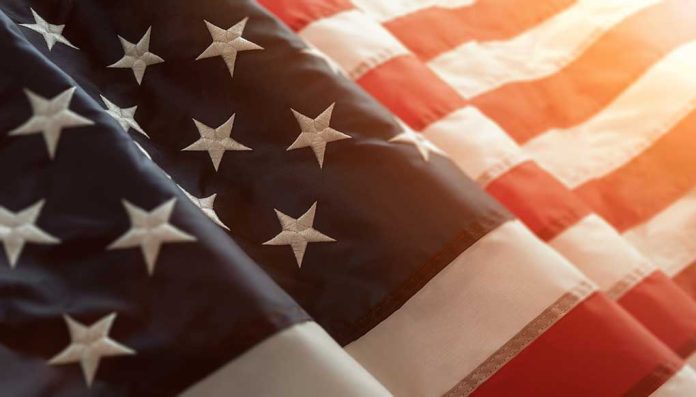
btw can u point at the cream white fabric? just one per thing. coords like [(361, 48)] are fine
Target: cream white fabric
[(683, 384), (475, 143), (353, 40), (613, 137), (669, 238), (466, 313), (299, 361), (600, 252), (477, 67), (386, 10)]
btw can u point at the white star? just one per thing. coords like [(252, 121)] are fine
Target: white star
[(297, 233), (149, 230), (137, 56), (215, 141), (206, 205), (89, 344), (51, 33), (16, 229), (315, 52), (316, 133), (125, 117), (50, 117), (422, 144), (227, 43)]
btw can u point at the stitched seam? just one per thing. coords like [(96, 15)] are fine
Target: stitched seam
[(648, 384), (393, 300), (618, 289), (384, 55), (522, 339), (503, 165)]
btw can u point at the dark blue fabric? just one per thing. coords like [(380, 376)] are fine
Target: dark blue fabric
[(206, 303), (397, 219)]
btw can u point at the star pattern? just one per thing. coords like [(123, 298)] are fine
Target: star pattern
[(215, 141), (316, 133), (206, 205), (52, 34), (297, 233), (149, 230), (124, 116), (422, 144), (137, 56), (50, 117), (89, 344), (227, 43), (16, 229)]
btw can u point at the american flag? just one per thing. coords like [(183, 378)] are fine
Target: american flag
[(403, 197)]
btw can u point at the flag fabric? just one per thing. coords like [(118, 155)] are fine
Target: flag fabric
[(637, 62), (437, 80), (113, 282), (318, 209), (606, 106), (592, 106)]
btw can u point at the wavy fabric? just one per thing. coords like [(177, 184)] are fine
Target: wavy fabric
[(483, 150)]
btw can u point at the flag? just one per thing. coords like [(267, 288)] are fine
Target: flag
[(390, 50), (112, 281), (347, 216), (596, 106)]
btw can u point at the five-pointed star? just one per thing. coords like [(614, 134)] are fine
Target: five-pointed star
[(227, 43), (215, 141), (316, 133), (89, 344), (18, 228), (206, 205), (149, 230), (124, 116), (422, 144), (49, 118), (51, 33), (297, 233), (137, 56)]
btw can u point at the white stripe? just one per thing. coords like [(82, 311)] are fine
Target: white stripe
[(353, 40), (669, 238), (691, 360), (477, 67), (384, 11), (643, 113), (300, 361), (476, 144), (682, 384), (466, 313), (599, 251)]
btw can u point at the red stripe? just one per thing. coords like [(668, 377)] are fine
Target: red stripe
[(665, 310), (484, 20), (595, 350), (686, 279), (638, 190), (587, 85), (299, 13), (411, 91), (545, 205)]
